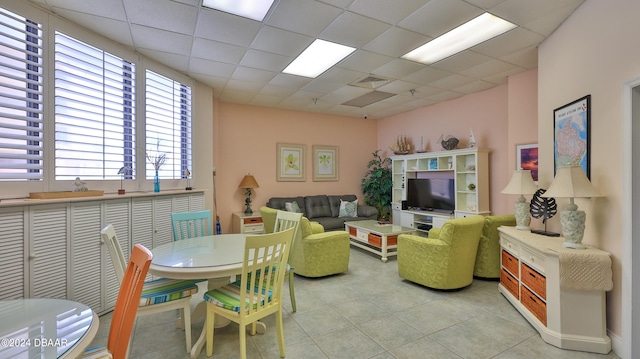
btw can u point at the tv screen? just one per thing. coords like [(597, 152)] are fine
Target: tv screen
[(432, 194)]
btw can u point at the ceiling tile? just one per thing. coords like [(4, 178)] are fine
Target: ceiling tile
[(353, 30), (259, 78), (164, 41), (223, 27), (452, 82), (172, 16), (387, 11), (512, 41), (175, 61), (461, 61), (527, 58), (398, 68), (211, 68), (488, 68), (428, 19), (265, 61), (114, 29), (475, 87), (302, 16), (364, 61), (396, 42), (282, 42), (217, 51), (108, 9)]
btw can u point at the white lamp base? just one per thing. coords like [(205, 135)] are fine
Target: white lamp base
[(523, 215), (572, 221)]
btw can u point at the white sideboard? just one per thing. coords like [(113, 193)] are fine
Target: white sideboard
[(560, 291), (52, 248)]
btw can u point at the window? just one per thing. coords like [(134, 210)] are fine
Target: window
[(168, 121), (94, 112), (21, 92)]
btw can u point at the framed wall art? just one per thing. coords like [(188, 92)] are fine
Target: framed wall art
[(325, 163), (290, 162), (571, 134), (527, 159)]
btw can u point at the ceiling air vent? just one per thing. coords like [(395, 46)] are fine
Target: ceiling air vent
[(371, 82)]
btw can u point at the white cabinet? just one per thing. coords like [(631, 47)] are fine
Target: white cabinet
[(560, 291), (468, 167), (53, 248), (12, 256)]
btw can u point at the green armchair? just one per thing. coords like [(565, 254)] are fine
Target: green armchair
[(488, 257), (314, 253), (446, 258)]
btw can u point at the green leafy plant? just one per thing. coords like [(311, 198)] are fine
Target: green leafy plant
[(377, 185)]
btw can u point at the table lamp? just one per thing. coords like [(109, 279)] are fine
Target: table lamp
[(571, 182), (248, 183), (521, 183)]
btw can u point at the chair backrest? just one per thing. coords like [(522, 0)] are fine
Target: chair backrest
[(124, 314), (286, 220), (110, 238), (191, 224), (264, 273)]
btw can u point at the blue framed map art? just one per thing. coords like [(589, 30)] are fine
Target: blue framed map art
[(571, 135)]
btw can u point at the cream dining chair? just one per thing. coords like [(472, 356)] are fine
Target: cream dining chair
[(286, 220), (159, 295), (258, 293)]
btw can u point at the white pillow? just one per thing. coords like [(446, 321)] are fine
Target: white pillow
[(292, 207), (348, 209)]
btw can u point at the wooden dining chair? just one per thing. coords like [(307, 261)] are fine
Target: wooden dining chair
[(286, 220), (126, 307), (159, 295), (191, 224), (258, 293)]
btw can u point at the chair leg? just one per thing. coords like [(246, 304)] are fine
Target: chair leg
[(291, 292), (209, 322), (186, 315), (280, 330), (243, 342)]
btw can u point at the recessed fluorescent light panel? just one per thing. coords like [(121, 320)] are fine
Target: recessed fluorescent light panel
[(252, 9), (469, 34), (317, 58)]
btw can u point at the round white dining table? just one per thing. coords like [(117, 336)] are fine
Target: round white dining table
[(215, 258), (45, 328)]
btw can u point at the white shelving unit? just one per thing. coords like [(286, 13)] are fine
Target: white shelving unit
[(469, 166)]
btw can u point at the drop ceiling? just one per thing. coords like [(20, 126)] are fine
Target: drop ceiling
[(242, 59)]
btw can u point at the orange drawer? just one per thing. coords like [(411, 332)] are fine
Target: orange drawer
[(534, 280), (353, 232), (510, 263), (535, 305), (376, 240), (509, 282), (253, 220)]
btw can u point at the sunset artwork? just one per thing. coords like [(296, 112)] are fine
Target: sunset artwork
[(529, 160)]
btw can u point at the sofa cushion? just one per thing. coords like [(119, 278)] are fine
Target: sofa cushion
[(281, 203), (334, 202), (348, 209), (317, 206), (292, 207)]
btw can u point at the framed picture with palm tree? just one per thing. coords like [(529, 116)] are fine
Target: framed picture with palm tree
[(325, 163)]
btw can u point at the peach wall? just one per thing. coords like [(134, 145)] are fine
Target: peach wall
[(484, 112), (593, 52), (246, 143)]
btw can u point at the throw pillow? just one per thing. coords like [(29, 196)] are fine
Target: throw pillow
[(348, 209), (292, 207)]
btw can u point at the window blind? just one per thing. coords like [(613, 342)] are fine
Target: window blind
[(168, 125), (94, 112), (21, 107)]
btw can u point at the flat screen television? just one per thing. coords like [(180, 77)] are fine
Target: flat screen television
[(431, 194)]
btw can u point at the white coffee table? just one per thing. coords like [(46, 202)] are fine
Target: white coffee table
[(381, 239)]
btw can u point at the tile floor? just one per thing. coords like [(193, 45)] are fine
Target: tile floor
[(368, 312)]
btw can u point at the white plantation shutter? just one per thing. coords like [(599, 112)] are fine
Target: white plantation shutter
[(95, 111), (21, 109), (168, 125)]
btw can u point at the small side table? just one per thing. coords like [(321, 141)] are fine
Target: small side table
[(247, 223)]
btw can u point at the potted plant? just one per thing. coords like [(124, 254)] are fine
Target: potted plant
[(377, 185)]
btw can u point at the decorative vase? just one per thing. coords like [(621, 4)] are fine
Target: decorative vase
[(156, 183)]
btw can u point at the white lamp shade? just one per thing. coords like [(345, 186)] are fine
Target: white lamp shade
[(521, 183), (571, 182)]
